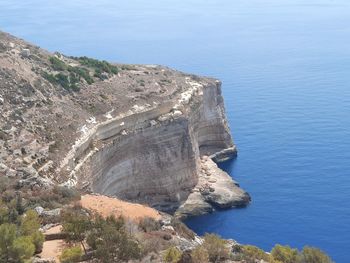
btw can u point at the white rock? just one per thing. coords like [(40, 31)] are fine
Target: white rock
[(177, 113), (168, 228), (39, 210), (92, 120), (25, 52)]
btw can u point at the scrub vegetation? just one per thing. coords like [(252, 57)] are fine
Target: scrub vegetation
[(81, 69)]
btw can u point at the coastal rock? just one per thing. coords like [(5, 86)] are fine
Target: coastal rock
[(226, 192), (224, 155), (218, 192)]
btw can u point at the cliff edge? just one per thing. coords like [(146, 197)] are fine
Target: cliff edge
[(144, 133)]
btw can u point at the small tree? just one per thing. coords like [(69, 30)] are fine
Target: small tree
[(71, 255), (7, 237), (38, 240), (172, 255), (76, 226), (199, 255), (314, 255), (30, 223), (14, 249), (216, 247), (22, 249), (4, 213), (285, 254), (111, 242)]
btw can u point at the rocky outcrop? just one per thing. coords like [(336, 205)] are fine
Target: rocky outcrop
[(215, 190), (137, 131)]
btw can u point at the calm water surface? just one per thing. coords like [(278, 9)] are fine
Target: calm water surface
[(285, 67)]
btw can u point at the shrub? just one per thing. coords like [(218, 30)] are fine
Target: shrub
[(67, 194), (57, 64), (13, 248), (30, 223), (79, 72), (216, 247), (22, 249), (314, 255), (199, 255), (253, 253), (62, 80), (101, 66), (4, 213), (7, 237), (182, 229), (49, 77), (172, 255), (110, 241), (71, 255), (75, 226), (38, 240), (285, 254), (149, 224)]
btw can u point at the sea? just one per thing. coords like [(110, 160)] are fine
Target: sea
[(285, 68)]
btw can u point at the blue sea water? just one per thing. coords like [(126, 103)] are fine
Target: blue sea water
[(285, 67)]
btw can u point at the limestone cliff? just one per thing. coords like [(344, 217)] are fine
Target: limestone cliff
[(141, 133)]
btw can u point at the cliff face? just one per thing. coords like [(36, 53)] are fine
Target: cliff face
[(153, 156), (138, 133)]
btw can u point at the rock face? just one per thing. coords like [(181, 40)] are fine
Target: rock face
[(137, 133)]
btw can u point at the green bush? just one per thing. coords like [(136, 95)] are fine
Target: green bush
[(172, 255), (253, 253), (76, 226), (100, 66), (199, 255), (110, 241), (22, 249), (14, 248), (285, 254), (38, 240), (57, 64), (7, 237), (30, 223), (216, 247), (71, 255), (65, 81), (79, 72), (314, 255)]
